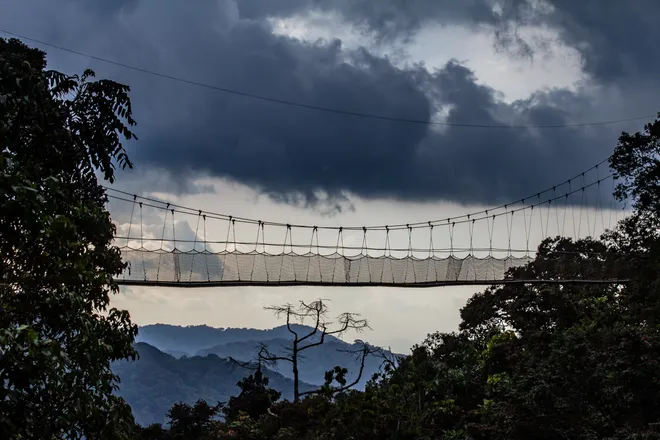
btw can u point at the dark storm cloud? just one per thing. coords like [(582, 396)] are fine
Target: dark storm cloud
[(616, 39), (291, 153)]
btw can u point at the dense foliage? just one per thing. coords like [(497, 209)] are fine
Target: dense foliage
[(57, 336)]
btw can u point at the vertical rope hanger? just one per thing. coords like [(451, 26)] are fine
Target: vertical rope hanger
[(226, 251), (524, 211), (175, 254), (130, 223), (206, 252), (238, 266), (173, 234), (388, 246), (387, 253), (318, 254), (547, 218), (162, 238), (364, 251), (340, 237), (286, 235), (144, 269), (563, 224), (256, 241), (405, 276), (128, 238), (228, 232), (491, 230), (263, 238), (554, 197), (451, 268), (471, 251), (540, 211), (411, 258), (570, 192), (528, 227), (311, 243), (582, 207), (431, 246), (609, 222), (432, 259), (599, 206), (451, 237), (292, 253), (256, 249), (194, 249), (509, 227)]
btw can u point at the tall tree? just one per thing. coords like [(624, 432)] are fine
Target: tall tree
[(317, 311), (636, 165), (192, 422), (254, 399), (57, 333)]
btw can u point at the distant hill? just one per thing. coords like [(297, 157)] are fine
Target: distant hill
[(314, 362), (242, 344), (157, 380), (191, 339)]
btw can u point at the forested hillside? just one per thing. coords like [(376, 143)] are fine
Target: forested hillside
[(156, 381), (244, 344)]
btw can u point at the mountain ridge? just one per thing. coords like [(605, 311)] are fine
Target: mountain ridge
[(243, 345), (191, 339), (156, 380)]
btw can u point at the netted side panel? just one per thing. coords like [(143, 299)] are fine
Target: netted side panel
[(232, 267)]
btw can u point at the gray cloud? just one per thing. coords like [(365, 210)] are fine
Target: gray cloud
[(616, 39), (293, 154), (386, 19)]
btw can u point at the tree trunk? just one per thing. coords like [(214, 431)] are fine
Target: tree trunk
[(294, 357)]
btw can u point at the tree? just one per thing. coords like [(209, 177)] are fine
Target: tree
[(57, 335), (317, 311), (636, 165), (192, 422), (254, 399)]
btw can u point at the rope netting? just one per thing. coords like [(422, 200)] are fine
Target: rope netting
[(181, 246)]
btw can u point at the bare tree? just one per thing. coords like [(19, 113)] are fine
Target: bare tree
[(315, 311)]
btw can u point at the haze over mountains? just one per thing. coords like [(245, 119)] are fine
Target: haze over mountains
[(191, 339), (184, 364)]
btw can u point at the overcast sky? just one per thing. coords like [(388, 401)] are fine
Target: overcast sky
[(483, 62)]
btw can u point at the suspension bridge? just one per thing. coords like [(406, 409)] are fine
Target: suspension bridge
[(471, 249)]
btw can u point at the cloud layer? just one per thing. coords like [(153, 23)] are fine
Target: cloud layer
[(294, 154)]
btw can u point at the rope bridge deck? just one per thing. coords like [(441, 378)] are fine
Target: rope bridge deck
[(323, 258), (194, 268)]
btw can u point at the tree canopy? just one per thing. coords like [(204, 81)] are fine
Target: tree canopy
[(57, 334)]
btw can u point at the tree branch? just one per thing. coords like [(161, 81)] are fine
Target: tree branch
[(314, 344), (366, 351), (288, 310), (350, 321), (270, 359), (319, 308)]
